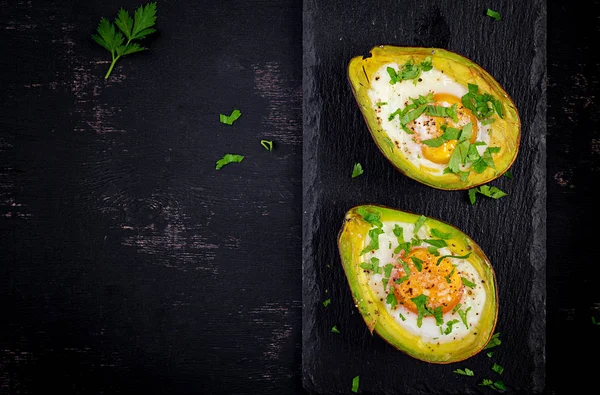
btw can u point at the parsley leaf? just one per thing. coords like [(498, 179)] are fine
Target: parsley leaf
[(493, 14), (420, 221), (327, 302), (485, 190), (335, 329), (468, 283), (357, 170), (391, 300), (449, 324), (463, 316), (133, 29), (230, 119), (422, 310), (229, 158), (494, 341), (355, 382), (497, 385), (497, 368), (452, 256), (372, 217), (374, 244), (267, 144), (508, 174), (418, 263), (464, 372), (440, 235)]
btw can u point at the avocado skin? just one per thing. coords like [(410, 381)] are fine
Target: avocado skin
[(464, 70), (352, 238)]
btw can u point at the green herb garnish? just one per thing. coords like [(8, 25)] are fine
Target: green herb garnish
[(418, 262), (372, 217), (420, 221), (327, 302), (464, 372), (391, 299), (493, 14), (440, 235), (230, 119), (335, 329), (357, 170), (267, 144), (497, 368), (355, 381), (494, 341), (449, 324), (402, 317), (508, 174), (463, 316), (452, 256), (134, 29), (485, 190), (468, 283), (497, 385), (374, 244), (228, 158), (422, 310)]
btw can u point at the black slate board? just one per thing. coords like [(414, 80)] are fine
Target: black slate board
[(510, 230)]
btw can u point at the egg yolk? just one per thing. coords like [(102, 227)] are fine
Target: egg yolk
[(440, 283), (442, 153)]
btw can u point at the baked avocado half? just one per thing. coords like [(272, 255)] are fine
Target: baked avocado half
[(421, 284), (438, 117)]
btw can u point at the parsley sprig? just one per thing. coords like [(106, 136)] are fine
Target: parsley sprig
[(134, 29), (409, 71)]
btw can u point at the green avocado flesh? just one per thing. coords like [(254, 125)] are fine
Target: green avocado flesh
[(400, 264), (391, 88)]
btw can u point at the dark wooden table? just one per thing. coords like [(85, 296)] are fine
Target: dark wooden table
[(130, 265)]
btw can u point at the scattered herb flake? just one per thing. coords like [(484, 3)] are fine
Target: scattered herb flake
[(357, 170), (134, 29), (468, 283), (497, 368), (267, 144), (228, 158), (418, 262), (230, 119), (327, 302), (355, 381), (489, 354), (372, 217), (440, 235), (420, 221), (374, 244), (464, 372), (485, 190), (508, 174), (452, 256), (335, 329), (494, 341), (493, 14)]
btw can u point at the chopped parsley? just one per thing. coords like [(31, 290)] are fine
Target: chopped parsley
[(449, 326), (497, 385), (391, 300), (438, 243), (401, 280), (594, 321), (468, 283), (438, 315), (493, 14), (267, 144), (463, 316), (230, 119), (452, 256), (422, 310), (357, 170), (228, 158), (327, 302), (355, 382), (508, 174), (401, 317), (450, 275), (418, 262), (489, 354), (494, 341), (387, 270), (372, 217), (485, 190), (420, 221), (374, 244), (373, 266), (381, 103), (483, 106), (335, 329), (497, 368), (464, 372), (409, 71), (440, 235), (404, 266)]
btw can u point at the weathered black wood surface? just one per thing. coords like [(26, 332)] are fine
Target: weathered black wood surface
[(129, 266), (511, 231)]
